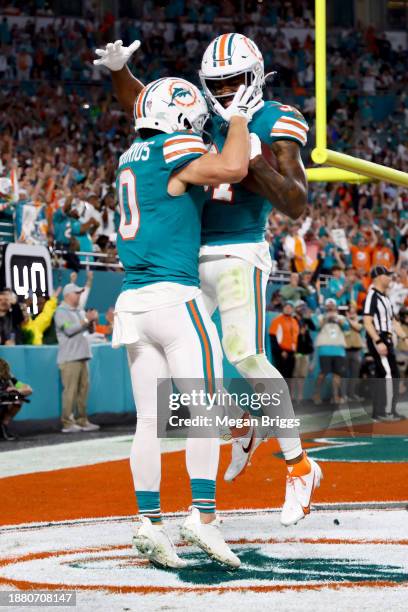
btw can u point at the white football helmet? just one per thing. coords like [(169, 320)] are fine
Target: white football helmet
[(171, 104), (229, 56)]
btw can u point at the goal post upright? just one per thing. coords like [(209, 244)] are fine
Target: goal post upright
[(349, 168), (320, 79)]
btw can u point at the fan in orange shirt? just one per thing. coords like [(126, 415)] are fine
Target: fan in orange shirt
[(361, 255), (382, 254)]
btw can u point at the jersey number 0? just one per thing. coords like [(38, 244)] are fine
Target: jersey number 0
[(129, 223)]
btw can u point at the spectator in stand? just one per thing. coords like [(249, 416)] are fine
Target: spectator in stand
[(106, 328), (11, 318), (295, 247), (284, 332), (311, 284), (354, 345), (35, 326), (383, 254), (68, 226), (398, 289), (110, 215), (329, 254), (304, 349), (293, 291), (361, 253), (331, 350), (352, 287), (8, 406), (337, 288), (403, 253), (73, 356)]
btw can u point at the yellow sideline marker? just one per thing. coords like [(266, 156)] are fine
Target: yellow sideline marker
[(358, 170)]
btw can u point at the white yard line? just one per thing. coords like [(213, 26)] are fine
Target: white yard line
[(71, 454)]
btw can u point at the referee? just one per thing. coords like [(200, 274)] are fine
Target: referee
[(380, 323)]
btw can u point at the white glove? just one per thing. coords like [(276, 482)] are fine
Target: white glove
[(115, 55), (242, 105), (255, 145)]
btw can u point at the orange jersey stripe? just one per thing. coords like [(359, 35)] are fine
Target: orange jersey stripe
[(139, 103), (184, 152), (175, 141), (259, 306), (289, 132), (297, 124), (222, 45), (207, 347)]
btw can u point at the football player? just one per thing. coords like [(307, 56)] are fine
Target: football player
[(160, 314), (234, 259)]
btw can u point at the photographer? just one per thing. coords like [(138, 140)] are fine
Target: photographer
[(331, 349), (12, 394)]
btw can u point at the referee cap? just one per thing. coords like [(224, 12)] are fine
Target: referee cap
[(379, 270)]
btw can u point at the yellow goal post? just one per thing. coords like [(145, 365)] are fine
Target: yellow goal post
[(338, 166)]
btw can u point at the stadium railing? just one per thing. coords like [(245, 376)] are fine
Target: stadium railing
[(6, 231), (91, 259), (94, 259)]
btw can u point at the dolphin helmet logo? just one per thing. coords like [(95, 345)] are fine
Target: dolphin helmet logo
[(181, 94)]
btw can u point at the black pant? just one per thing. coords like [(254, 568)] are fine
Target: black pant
[(285, 365), (386, 383)]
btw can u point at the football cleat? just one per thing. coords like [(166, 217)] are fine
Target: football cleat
[(209, 538), (302, 479), (242, 451), (153, 543)]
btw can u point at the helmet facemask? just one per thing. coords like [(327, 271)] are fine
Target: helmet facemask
[(213, 86)]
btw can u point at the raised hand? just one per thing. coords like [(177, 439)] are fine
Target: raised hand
[(115, 56)]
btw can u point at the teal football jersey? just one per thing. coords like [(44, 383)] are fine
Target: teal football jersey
[(234, 214), (159, 235)]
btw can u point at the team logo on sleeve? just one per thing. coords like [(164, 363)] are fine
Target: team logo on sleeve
[(182, 94)]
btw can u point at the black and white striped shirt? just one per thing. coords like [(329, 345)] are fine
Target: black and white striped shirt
[(378, 306)]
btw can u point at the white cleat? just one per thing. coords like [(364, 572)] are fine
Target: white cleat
[(301, 481), (209, 538), (242, 451), (153, 543)]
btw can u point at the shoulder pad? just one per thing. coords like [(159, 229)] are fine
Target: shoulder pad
[(277, 121)]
